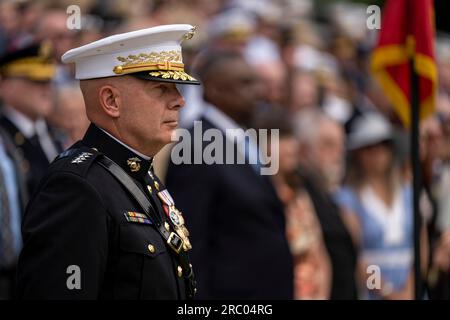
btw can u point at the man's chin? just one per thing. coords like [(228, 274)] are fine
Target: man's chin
[(169, 136), (170, 132)]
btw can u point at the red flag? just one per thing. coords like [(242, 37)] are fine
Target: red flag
[(407, 31)]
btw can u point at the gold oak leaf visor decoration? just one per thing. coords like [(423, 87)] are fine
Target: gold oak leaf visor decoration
[(163, 66)]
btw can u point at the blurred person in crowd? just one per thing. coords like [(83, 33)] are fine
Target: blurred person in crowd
[(13, 199), (164, 12), (303, 45), (370, 99), (443, 60), (377, 200), (321, 169), (344, 49), (263, 49), (273, 77), (68, 117), (432, 152), (238, 227), (443, 113), (31, 13), (312, 269), (18, 21), (436, 178), (231, 30), (312, 63), (271, 70), (303, 91), (336, 96), (317, 80), (26, 94), (443, 98), (9, 24), (53, 28)]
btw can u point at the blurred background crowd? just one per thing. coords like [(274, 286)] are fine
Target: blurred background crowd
[(300, 66)]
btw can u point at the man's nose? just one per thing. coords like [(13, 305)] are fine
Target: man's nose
[(178, 101), (182, 100)]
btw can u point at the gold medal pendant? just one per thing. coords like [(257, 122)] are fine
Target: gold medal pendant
[(175, 216), (178, 222)]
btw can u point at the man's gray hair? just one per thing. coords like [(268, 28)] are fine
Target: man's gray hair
[(307, 124)]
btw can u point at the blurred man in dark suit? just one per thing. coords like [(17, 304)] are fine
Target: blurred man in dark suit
[(25, 90), (322, 155), (235, 217), (13, 198)]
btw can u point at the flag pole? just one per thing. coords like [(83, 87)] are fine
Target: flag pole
[(416, 171)]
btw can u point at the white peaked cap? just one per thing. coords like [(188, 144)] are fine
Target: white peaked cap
[(152, 53)]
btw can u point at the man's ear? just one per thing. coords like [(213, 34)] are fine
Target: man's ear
[(110, 100)]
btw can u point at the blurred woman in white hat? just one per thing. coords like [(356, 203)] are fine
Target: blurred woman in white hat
[(377, 203)]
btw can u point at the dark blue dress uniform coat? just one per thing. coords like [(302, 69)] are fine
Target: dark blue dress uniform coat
[(78, 217)]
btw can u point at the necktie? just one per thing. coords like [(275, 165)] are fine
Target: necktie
[(7, 253), (39, 151), (34, 139)]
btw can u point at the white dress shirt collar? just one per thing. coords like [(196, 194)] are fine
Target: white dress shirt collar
[(219, 118), (25, 125)]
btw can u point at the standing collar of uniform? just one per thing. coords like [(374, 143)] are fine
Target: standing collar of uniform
[(143, 156), (134, 163), (24, 124)]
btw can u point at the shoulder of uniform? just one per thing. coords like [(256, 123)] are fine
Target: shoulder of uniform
[(76, 160)]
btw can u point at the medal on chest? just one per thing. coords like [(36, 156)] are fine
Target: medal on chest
[(176, 218)]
